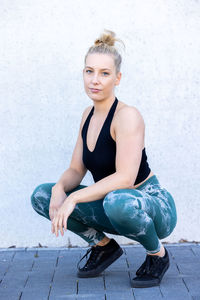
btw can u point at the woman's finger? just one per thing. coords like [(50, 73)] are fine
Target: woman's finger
[(52, 213), (52, 227), (65, 223), (60, 225), (55, 224)]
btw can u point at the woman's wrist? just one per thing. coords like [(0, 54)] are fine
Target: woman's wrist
[(72, 198)]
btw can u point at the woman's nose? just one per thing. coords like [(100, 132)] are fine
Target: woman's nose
[(95, 79)]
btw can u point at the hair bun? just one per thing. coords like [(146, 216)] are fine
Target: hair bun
[(104, 45), (107, 38)]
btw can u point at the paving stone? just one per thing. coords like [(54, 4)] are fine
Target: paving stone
[(61, 272), (35, 294), (25, 266), (48, 253), (193, 285), (91, 296), (59, 295), (183, 254), (23, 256), (177, 297), (173, 270), (120, 295), (69, 283), (14, 280), (6, 255), (10, 295), (134, 260), (189, 269), (119, 265), (174, 287), (68, 260), (135, 257), (3, 268), (62, 293), (33, 274), (196, 250), (44, 264), (144, 294), (68, 257), (41, 282), (71, 253), (90, 285), (115, 281), (67, 263)]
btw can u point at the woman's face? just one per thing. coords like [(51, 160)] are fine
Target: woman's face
[(100, 76)]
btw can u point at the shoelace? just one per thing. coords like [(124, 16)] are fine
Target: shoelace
[(92, 259)]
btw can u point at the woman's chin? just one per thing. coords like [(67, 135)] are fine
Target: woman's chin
[(95, 97)]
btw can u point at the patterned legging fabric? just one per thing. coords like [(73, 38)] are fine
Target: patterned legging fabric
[(145, 214)]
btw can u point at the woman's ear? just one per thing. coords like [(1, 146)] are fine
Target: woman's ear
[(118, 78)]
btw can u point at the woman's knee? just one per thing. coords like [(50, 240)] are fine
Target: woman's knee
[(167, 226), (41, 194), (166, 218)]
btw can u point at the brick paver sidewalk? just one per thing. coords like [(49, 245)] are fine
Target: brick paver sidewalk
[(50, 274)]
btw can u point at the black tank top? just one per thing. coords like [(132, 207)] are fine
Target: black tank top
[(101, 161)]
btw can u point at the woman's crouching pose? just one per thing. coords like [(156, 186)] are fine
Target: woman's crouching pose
[(126, 197)]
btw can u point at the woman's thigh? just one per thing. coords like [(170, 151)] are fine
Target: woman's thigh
[(151, 199)]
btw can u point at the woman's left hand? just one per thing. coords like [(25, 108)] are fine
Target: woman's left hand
[(60, 219)]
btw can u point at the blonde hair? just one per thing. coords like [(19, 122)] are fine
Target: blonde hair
[(105, 45)]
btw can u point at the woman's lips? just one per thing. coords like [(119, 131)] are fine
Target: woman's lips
[(95, 90)]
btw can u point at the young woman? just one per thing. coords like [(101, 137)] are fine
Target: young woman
[(126, 197)]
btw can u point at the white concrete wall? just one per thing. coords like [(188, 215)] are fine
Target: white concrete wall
[(43, 44)]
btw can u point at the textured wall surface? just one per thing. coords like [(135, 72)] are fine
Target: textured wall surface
[(43, 44)]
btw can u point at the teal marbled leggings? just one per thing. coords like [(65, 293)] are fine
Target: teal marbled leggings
[(145, 214)]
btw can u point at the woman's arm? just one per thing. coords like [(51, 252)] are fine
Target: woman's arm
[(69, 180), (73, 176), (129, 131)]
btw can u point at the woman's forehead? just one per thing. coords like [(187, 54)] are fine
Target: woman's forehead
[(100, 61)]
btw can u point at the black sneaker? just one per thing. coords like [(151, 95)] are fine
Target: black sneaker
[(151, 271), (100, 258)]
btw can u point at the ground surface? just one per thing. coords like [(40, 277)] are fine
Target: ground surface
[(49, 273)]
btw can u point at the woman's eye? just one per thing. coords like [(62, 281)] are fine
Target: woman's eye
[(88, 71), (105, 73)]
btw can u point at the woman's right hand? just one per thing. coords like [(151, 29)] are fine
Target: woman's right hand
[(58, 196)]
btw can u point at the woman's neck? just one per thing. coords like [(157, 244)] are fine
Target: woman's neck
[(101, 107)]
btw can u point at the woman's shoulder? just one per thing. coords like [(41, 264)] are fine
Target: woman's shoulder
[(85, 114), (86, 111), (128, 113)]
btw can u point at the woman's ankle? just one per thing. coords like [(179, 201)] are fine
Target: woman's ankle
[(161, 253), (103, 242)]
